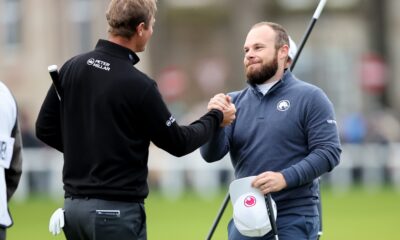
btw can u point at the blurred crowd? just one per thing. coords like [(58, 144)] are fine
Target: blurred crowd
[(381, 126)]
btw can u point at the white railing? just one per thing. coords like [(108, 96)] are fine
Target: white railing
[(174, 175)]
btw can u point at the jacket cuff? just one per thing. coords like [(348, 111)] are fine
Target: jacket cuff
[(291, 177), (219, 115)]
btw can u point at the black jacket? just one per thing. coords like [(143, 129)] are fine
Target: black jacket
[(109, 113)]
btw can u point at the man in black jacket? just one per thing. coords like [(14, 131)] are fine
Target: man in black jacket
[(108, 114)]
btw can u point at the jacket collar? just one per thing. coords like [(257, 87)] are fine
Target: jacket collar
[(286, 78), (117, 50)]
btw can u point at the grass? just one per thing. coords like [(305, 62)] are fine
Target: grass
[(354, 214), (31, 219), (361, 214)]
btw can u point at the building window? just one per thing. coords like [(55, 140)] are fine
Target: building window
[(11, 18), (80, 16)]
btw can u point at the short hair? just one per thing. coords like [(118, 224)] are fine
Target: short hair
[(282, 36), (123, 16)]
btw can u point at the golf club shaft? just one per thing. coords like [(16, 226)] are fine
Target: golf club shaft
[(53, 71), (316, 15), (319, 210), (271, 215), (220, 213), (314, 19)]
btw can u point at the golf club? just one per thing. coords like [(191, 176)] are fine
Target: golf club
[(53, 71), (218, 218), (272, 216), (319, 210), (314, 19)]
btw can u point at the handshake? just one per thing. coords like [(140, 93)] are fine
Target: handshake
[(223, 103)]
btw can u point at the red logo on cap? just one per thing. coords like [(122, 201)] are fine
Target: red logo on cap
[(250, 201)]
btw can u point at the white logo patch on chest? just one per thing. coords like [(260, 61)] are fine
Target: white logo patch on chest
[(283, 105), (99, 64)]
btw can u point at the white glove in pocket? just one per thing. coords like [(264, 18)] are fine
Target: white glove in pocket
[(56, 221)]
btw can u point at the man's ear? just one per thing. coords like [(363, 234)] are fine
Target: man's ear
[(140, 28), (284, 51)]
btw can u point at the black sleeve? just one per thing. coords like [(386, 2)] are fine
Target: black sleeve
[(48, 123), (168, 135)]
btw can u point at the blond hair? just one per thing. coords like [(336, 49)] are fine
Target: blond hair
[(123, 16)]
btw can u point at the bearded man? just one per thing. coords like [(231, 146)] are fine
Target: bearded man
[(284, 134)]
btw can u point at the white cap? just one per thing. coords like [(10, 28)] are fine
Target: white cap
[(292, 48), (250, 214)]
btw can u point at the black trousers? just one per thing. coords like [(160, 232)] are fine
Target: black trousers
[(96, 219), (3, 233)]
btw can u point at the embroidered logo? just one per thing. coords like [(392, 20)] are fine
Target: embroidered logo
[(331, 121), (90, 61), (99, 64), (283, 105), (249, 201), (170, 121)]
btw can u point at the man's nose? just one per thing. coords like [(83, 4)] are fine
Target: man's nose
[(249, 54)]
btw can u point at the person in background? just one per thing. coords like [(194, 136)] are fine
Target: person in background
[(285, 134), (10, 155), (108, 114)]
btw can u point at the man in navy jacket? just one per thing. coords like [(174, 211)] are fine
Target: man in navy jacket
[(285, 134)]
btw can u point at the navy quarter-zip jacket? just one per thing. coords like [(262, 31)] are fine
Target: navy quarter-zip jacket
[(292, 130)]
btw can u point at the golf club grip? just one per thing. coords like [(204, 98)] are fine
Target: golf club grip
[(318, 11), (53, 71), (271, 215), (220, 213)]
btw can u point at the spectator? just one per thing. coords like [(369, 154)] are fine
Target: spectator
[(10, 155)]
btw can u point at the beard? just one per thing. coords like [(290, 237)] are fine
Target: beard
[(267, 71)]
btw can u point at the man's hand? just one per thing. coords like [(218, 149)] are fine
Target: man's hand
[(268, 182), (56, 221), (223, 103), (229, 115), (220, 102)]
